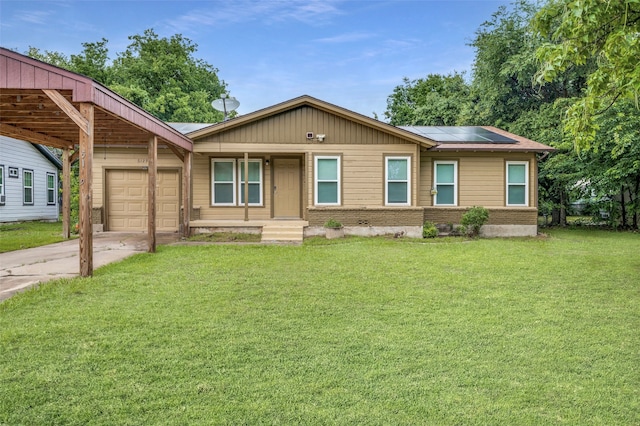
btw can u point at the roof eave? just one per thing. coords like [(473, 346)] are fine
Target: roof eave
[(306, 100)]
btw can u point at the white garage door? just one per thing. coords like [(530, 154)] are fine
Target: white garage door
[(127, 207)]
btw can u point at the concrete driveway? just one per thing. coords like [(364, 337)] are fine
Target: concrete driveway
[(22, 269)]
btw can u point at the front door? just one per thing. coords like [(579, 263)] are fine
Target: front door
[(286, 188)]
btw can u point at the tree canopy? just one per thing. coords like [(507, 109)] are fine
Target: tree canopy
[(513, 87), (579, 30), (161, 75), (436, 100)]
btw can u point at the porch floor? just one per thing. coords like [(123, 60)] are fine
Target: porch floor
[(272, 230)]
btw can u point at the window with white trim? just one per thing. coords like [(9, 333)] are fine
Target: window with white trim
[(1, 184), (27, 187), (255, 182), (51, 189), (517, 183), (327, 180), (227, 182), (445, 183), (397, 181), (223, 182)]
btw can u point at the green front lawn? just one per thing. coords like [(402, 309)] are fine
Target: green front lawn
[(358, 331), (22, 235)]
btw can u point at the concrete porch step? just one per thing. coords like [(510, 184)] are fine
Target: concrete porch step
[(283, 233)]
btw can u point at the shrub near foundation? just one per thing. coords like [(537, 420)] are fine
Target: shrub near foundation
[(473, 220), (429, 230)]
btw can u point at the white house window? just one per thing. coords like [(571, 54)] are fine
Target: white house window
[(223, 183), (255, 182), (51, 189), (1, 185), (445, 182), (27, 185), (397, 181), (327, 180), (517, 183), (227, 182)]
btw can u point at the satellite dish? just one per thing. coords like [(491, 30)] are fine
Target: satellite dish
[(225, 105)]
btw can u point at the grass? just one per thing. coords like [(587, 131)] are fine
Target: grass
[(22, 235), (226, 237), (356, 331)]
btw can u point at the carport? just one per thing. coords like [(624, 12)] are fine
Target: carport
[(51, 106)]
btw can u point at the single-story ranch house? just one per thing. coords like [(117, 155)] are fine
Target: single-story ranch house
[(282, 171), (290, 167)]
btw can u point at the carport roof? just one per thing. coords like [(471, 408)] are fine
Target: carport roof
[(27, 113)]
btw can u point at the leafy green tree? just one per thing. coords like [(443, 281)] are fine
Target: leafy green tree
[(162, 76), (436, 100), (93, 61), (612, 165), (505, 66), (51, 57), (580, 30)]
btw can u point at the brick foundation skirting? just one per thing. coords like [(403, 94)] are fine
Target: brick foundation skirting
[(416, 216), (497, 216), (366, 216)]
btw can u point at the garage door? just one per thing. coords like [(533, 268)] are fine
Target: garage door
[(127, 200)]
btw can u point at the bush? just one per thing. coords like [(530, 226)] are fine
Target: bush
[(429, 230), (473, 220), (332, 223)]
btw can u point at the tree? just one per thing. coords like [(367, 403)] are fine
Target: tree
[(92, 62), (51, 57), (580, 30), (436, 100), (612, 165), (162, 76), (505, 66)]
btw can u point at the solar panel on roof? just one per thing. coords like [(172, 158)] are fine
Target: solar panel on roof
[(459, 134)]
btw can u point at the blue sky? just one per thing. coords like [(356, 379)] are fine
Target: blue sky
[(351, 53)]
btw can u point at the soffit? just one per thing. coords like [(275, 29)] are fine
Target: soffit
[(27, 113)]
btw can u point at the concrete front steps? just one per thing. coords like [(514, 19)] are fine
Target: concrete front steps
[(283, 232)]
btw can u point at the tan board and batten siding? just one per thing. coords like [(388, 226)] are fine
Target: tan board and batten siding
[(121, 189), (362, 150)]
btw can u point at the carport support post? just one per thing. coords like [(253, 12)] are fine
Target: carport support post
[(186, 194), (86, 191), (66, 194), (152, 172)]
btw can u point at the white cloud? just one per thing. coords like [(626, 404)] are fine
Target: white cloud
[(346, 38), (267, 11)]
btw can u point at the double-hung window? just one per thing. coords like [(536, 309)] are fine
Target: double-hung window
[(327, 180), (255, 182), (517, 183), (445, 183), (27, 185), (51, 189), (397, 181), (223, 182), (1, 185), (227, 182)]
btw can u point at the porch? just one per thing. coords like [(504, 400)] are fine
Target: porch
[(272, 230)]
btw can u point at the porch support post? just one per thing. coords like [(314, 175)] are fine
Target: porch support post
[(186, 194), (86, 190), (151, 210), (246, 186), (66, 194)]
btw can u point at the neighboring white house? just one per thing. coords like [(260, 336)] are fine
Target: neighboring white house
[(28, 181)]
